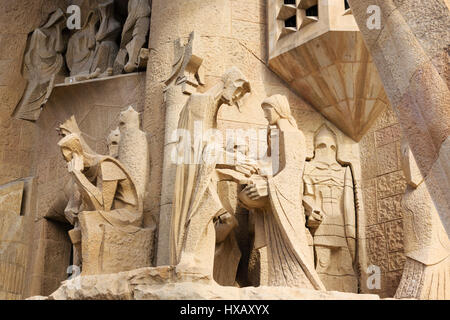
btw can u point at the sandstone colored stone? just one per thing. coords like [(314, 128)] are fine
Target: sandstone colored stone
[(163, 284)]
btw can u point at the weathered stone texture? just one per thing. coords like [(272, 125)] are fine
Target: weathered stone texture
[(383, 187)]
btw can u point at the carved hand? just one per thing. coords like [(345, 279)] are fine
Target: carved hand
[(257, 190), (315, 218), (76, 164)]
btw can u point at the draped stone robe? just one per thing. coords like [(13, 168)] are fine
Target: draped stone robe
[(289, 258)]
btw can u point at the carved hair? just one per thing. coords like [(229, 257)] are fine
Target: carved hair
[(233, 75), (281, 105)]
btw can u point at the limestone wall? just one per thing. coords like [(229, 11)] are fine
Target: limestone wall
[(383, 187), (17, 20)]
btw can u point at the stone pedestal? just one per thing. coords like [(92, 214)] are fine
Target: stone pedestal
[(109, 249), (165, 283)]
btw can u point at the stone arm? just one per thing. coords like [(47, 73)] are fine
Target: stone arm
[(94, 193), (314, 215)]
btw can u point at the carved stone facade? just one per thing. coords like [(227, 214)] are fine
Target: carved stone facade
[(246, 148)]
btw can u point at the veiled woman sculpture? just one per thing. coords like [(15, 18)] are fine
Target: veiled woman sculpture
[(289, 261)]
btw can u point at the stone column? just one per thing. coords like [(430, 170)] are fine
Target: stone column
[(410, 52), (172, 20)]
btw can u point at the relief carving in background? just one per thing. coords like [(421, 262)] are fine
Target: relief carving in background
[(43, 62), (101, 48), (134, 36)]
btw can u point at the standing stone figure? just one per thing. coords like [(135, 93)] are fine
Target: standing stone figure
[(106, 38), (278, 201), (330, 210), (196, 201), (134, 36), (133, 149), (113, 143), (43, 62), (81, 48), (426, 274)]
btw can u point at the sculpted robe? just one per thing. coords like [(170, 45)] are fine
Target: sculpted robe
[(289, 258), (196, 202), (42, 63)]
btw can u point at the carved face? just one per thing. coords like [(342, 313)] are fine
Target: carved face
[(71, 150), (325, 148), (113, 143), (129, 119), (270, 114)]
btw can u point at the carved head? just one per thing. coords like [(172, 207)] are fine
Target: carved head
[(409, 165), (277, 107), (71, 147), (70, 126), (325, 144), (129, 119), (236, 86), (113, 143)]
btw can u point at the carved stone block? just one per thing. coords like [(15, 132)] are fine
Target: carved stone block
[(387, 135), (390, 208), (396, 261), (387, 159), (107, 249), (394, 235), (391, 184)]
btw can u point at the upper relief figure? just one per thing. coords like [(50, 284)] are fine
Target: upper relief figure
[(330, 210), (106, 38), (134, 36), (43, 62), (81, 48), (427, 248)]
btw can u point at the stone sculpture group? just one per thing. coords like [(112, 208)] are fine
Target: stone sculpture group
[(303, 216)]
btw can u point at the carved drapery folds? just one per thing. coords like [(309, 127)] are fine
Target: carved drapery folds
[(108, 43), (43, 63), (427, 247)]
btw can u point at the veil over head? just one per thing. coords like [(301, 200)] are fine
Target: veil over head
[(281, 105)]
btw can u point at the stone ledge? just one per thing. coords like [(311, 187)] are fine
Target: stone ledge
[(164, 283)]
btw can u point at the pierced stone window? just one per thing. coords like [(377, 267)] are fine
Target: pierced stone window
[(347, 8), (312, 11), (308, 11), (291, 22)]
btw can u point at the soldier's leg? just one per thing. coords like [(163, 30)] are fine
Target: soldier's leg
[(349, 279)]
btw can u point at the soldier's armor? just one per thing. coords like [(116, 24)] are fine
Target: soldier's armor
[(326, 184)]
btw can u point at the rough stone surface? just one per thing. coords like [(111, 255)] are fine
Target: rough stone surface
[(163, 284)]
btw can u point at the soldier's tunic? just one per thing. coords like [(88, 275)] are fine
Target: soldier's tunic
[(330, 188)]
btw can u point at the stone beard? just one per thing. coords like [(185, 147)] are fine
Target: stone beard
[(330, 209)]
